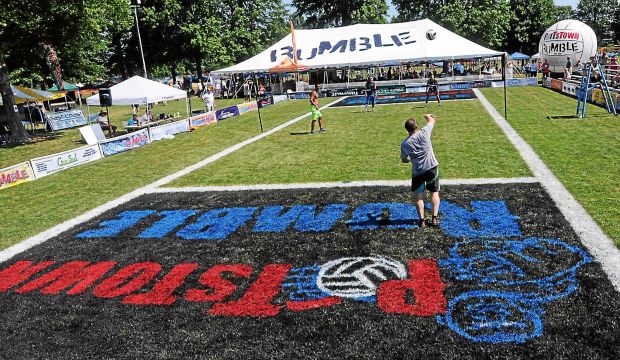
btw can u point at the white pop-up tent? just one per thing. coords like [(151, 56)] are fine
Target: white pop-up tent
[(366, 44), (138, 90)]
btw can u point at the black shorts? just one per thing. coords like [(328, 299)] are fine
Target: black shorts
[(426, 181), (432, 89)]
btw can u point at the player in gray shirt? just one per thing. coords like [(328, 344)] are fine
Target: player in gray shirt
[(418, 150)]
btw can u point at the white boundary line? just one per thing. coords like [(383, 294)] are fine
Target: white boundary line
[(344, 184), (599, 245), (56, 230)]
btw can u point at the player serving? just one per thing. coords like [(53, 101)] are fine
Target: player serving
[(371, 91), (432, 88), (418, 150)]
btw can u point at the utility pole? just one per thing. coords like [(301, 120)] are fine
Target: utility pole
[(135, 4)]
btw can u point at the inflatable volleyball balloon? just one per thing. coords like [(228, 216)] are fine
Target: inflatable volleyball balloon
[(567, 38)]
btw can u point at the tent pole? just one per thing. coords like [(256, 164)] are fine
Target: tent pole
[(504, 78), (349, 76), (260, 119)]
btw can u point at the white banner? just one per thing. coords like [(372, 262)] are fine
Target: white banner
[(160, 132), (47, 165), (279, 98), (124, 142)]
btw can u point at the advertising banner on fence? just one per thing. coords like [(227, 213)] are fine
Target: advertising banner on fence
[(391, 89), (516, 82), (66, 119), (15, 175), (546, 82), (279, 98), (569, 88), (556, 84), (460, 86), (47, 165), (202, 120), (343, 92), (123, 143), (162, 131), (246, 107), (225, 113), (266, 101)]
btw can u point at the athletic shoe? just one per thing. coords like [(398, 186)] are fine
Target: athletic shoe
[(323, 130), (434, 221), (422, 223), (425, 105)]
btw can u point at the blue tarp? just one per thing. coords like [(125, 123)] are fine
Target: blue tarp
[(519, 56)]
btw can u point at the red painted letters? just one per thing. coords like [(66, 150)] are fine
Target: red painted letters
[(427, 288)]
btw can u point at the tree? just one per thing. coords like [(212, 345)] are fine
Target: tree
[(563, 12), (18, 133), (598, 14), (530, 20), (328, 13), (486, 21)]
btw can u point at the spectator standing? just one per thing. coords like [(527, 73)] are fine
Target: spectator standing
[(546, 69), (579, 68), (246, 91), (209, 99), (533, 68), (568, 68)]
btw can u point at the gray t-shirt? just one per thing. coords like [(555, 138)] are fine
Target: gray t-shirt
[(419, 149)]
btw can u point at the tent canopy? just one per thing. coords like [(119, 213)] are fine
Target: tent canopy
[(138, 90), (366, 44), (519, 56), (66, 85)]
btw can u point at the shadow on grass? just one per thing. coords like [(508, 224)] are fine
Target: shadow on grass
[(554, 117)]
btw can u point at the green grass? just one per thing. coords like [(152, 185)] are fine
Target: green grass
[(35, 206), (70, 139), (583, 154), (366, 146)]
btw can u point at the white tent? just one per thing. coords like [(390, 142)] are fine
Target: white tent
[(536, 56), (367, 44), (138, 90)]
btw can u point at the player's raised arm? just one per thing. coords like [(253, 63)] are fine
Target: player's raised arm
[(430, 119)]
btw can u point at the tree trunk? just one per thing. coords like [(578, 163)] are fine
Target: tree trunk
[(18, 133), (198, 58), (174, 73)]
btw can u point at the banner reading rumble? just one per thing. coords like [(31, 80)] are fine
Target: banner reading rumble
[(123, 143)]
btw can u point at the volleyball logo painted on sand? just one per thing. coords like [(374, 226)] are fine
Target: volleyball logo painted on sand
[(567, 38), (358, 277)]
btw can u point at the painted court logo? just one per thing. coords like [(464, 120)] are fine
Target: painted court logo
[(509, 279)]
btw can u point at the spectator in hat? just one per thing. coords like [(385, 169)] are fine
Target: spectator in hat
[(104, 122)]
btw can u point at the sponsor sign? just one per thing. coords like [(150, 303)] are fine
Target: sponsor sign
[(266, 101), (570, 88), (344, 92), (556, 84), (15, 175), (47, 165), (202, 120), (223, 114), (123, 143), (161, 131), (391, 89), (516, 82), (279, 98), (66, 119), (461, 86), (597, 96), (299, 95), (546, 82), (246, 107), (408, 97)]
